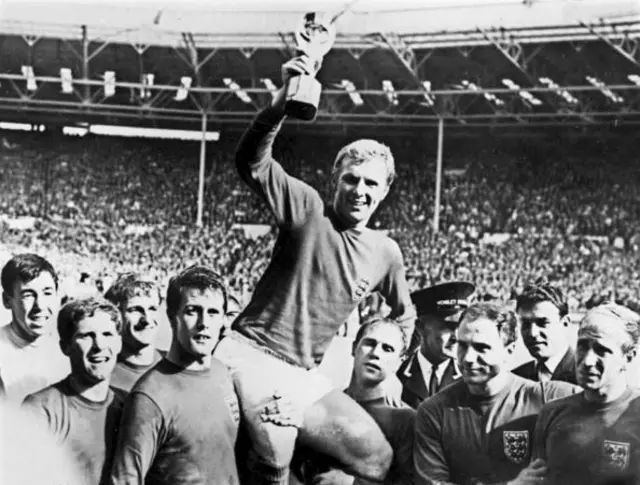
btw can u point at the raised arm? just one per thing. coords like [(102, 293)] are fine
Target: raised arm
[(141, 432), (289, 199)]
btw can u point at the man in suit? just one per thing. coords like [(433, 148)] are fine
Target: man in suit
[(434, 365), (544, 324)]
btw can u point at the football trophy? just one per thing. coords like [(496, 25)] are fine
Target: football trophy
[(314, 38)]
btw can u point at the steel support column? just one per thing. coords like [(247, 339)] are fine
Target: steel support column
[(203, 157), (436, 203)]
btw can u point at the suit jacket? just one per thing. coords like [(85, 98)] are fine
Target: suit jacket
[(414, 388), (566, 370)]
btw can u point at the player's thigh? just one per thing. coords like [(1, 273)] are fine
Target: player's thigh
[(339, 427), (257, 376)]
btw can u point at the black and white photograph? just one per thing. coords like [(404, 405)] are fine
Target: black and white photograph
[(332, 242)]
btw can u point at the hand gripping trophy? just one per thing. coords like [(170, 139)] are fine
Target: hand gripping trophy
[(314, 37)]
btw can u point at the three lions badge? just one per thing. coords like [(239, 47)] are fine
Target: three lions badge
[(615, 455), (516, 446)]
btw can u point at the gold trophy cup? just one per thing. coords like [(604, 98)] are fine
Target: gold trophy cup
[(314, 38)]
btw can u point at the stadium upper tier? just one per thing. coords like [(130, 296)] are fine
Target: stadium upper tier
[(500, 62)]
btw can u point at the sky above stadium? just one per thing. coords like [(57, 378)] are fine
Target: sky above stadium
[(363, 16)]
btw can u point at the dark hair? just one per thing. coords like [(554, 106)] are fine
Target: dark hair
[(504, 318), (75, 311), (128, 285), (25, 267), (541, 290), (629, 319), (196, 277), (380, 320)]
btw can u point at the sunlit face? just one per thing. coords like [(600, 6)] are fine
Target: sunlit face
[(378, 353), (359, 190), (544, 331), (199, 321), (94, 348), (600, 360), (140, 317), (438, 337), (34, 305), (481, 353)]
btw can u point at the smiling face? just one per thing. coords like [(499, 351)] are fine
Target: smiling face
[(198, 321), (359, 189), (378, 353), (481, 352), (94, 348), (140, 319), (34, 305), (544, 331)]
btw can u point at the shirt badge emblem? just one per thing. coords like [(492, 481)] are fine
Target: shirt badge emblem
[(516, 446), (616, 455)]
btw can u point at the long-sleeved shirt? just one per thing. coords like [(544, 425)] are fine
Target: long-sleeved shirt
[(320, 269), (87, 429), (179, 427), (462, 438), (588, 443)]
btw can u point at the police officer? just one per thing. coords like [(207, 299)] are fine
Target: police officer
[(433, 366)]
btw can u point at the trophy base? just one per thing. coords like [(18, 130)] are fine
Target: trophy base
[(303, 97)]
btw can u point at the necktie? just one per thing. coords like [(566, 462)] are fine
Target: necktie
[(543, 373), (433, 381)]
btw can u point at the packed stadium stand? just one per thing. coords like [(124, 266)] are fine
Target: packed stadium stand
[(539, 161)]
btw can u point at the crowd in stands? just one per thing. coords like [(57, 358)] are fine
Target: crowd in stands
[(569, 207)]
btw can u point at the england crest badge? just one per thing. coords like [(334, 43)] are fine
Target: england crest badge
[(516, 446), (615, 455)]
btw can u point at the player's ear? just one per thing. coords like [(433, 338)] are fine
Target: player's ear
[(566, 320), (511, 348), (386, 191), (631, 355), (6, 301), (64, 347)]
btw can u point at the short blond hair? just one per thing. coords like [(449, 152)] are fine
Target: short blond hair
[(364, 150), (625, 317)]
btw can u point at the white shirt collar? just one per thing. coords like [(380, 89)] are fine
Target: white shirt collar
[(427, 367), (553, 362), (22, 343)]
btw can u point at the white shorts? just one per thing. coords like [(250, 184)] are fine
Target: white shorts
[(257, 375)]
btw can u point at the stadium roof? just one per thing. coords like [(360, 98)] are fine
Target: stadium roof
[(395, 63), (361, 17)]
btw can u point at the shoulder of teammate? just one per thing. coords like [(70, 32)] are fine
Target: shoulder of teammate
[(391, 249), (46, 405), (119, 396), (44, 396), (553, 390), (448, 397)]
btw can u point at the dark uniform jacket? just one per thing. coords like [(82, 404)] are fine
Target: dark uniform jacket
[(566, 370), (414, 388)]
